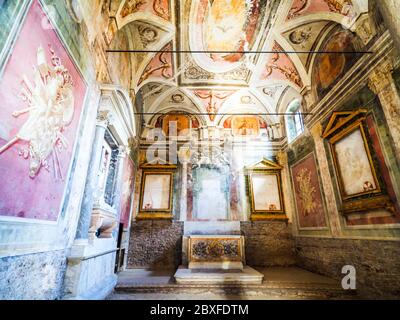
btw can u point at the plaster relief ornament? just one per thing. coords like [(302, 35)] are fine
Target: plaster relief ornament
[(50, 103)]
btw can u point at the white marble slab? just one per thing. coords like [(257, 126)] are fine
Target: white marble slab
[(246, 276)]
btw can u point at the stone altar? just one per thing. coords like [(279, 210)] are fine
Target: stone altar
[(215, 252), (215, 258)]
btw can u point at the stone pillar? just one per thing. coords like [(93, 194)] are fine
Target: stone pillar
[(382, 84), (390, 10), (286, 185), (92, 178), (184, 156), (122, 152), (330, 199)]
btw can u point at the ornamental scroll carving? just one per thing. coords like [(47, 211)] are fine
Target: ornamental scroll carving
[(50, 107)]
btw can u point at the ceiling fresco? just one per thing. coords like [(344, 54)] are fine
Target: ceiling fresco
[(223, 25), (301, 8), (211, 49)]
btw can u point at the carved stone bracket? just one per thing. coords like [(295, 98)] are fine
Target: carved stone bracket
[(103, 221)]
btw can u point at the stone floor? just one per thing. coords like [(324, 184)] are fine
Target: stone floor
[(279, 283)]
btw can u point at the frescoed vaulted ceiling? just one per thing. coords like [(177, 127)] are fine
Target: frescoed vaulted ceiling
[(208, 50)]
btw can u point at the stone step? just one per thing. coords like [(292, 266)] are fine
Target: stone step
[(229, 292), (267, 289), (278, 283), (246, 276)]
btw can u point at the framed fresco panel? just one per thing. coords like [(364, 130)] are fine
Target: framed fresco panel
[(353, 163), (360, 187), (308, 195), (42, 94), (156, 194), (265, 191)]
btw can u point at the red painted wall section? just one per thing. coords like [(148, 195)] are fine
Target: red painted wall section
[(40, 196), (127, 191), (394, 219)]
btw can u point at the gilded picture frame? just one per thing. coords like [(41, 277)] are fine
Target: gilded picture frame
[(265, 205), (156, 193), (356, 157), (356, 172)]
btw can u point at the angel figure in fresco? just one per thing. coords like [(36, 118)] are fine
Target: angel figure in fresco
[(50, 104), (224, 29)]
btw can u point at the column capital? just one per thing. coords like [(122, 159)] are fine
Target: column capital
[(316, 131), (381, 77), (184, 155), (133, 143), (103, 118), (282, 158), (122, 151)]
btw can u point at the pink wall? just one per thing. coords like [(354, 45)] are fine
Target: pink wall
[(127, 191), (21, 196)]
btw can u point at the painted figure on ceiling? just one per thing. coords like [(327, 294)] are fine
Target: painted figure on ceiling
[(224, 30)]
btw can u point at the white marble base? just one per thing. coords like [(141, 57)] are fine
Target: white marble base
[(211, 228), (246, 276), (99, 292), (90, 270), (223, 265)]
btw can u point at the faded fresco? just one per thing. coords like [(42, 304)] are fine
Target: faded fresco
[(354, 165), (308, 197), (42, 95), (210, 193), (245, 126), (265, 192), (377, 148), (178, 122), (333, 64), (156, 192)]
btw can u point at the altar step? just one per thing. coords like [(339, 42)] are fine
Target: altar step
[(278, 283), (246, 276)]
